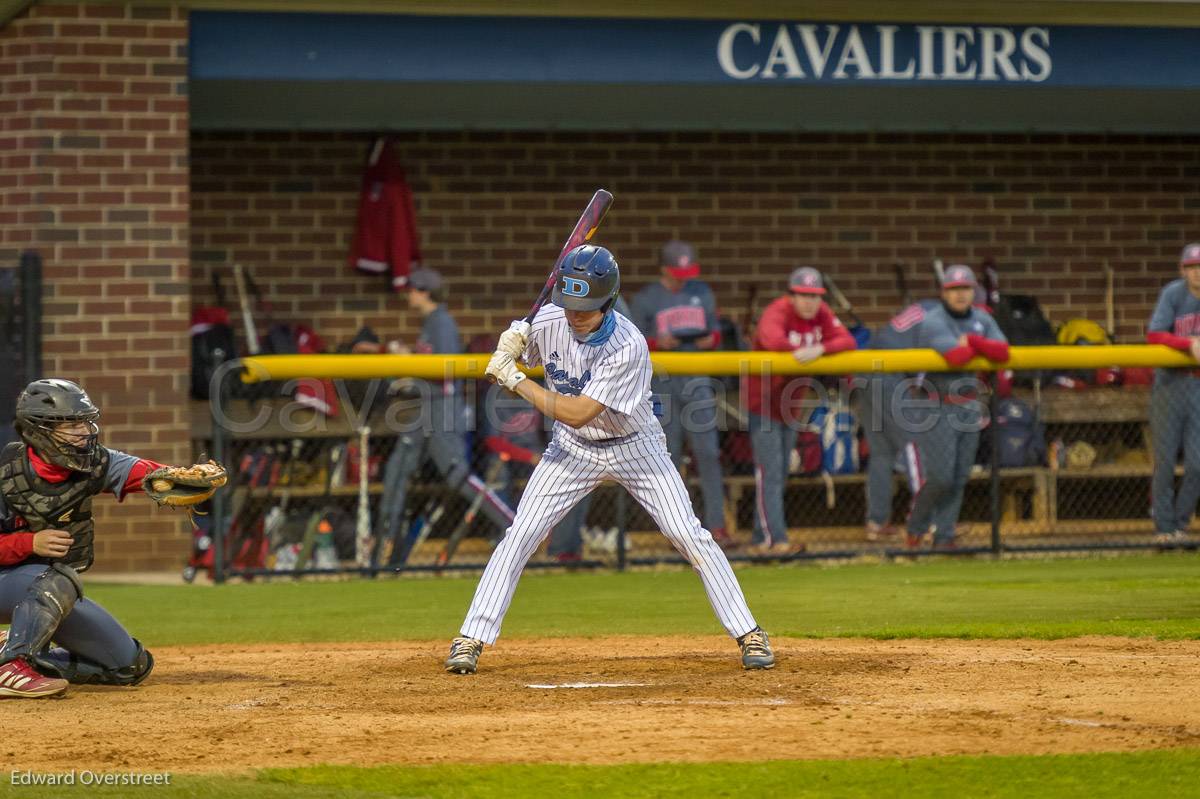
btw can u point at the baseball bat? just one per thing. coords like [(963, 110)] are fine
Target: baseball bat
[(276, 516), (362, 530), (939, 272), (314, 518), (902, 283), (840, 299), (240, 518), (732, 410), (464, 524), (748, 327), (1109, 309), (585, 228), (991, 282), (252, 342), (426, 529)]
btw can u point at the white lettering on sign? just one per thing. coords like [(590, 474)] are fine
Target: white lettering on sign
[(747, 51)]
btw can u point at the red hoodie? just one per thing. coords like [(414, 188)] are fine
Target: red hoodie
[(782, 330)]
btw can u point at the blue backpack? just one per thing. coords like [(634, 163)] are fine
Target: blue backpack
[(839, 440)]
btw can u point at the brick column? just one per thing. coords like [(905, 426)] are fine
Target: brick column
[(94, 175)]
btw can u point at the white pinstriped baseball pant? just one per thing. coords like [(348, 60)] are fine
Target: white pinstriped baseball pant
[(569, 471)]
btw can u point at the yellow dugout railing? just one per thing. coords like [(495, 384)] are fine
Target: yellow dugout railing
[(440, 367)]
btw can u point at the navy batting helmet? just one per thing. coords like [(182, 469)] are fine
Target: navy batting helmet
[(588, 280)]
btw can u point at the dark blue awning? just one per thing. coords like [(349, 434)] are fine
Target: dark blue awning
[(405, 71)]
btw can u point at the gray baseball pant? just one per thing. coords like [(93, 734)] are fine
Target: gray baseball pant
[(1175, 423), (773, 442), (943, 456), (690, 406)]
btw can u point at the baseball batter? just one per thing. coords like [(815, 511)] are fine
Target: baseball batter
[(598, 391), (1175, 402)]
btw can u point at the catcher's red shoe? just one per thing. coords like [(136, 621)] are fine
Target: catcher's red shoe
[(19, 679)]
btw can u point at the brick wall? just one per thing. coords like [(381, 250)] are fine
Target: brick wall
[(1052, 210), (94, 175)]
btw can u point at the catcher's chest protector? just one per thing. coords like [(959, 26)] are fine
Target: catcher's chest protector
[(62, 506)]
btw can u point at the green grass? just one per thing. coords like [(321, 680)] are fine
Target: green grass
[(1156, 774), (1157, 595)]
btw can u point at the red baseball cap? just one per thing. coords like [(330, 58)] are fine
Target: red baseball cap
[(806, 280), (958, 275), (1190, 255), (679, 258)]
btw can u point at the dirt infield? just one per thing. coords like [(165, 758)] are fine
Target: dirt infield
[(680, 699)]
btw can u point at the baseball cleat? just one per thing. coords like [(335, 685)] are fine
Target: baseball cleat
[(880, 532), (19, 679), (464, 655), (756, 650), (1174, 538), (3, 638)]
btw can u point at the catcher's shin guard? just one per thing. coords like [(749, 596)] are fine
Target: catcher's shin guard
[(50, 597), (82, 671)]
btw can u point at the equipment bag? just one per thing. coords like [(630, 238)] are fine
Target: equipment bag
[(212, 345), (1021, 435)]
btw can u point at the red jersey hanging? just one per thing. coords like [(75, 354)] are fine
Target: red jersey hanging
[(386, 238)]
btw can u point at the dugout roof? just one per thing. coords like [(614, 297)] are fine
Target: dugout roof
[(1005, 66)]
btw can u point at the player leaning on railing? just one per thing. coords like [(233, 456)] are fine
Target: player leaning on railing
[(945, 441), (47, 481), (598, 391), (1175, 402), (803, 324)]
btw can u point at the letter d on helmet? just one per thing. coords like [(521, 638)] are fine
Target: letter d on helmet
[(588, 280), (574, 287)]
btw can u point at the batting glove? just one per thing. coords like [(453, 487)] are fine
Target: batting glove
[(503, 369), (514, 340)]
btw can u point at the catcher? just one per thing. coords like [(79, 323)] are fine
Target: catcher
[(47, 481)]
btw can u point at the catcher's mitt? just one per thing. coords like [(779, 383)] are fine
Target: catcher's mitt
[(184, 486)]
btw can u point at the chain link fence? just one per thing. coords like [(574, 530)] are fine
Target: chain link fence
[(1061, 461)]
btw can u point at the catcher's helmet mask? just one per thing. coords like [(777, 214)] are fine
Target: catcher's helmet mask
[(47, 410)]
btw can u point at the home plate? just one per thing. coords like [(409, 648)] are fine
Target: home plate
[(591, 685)]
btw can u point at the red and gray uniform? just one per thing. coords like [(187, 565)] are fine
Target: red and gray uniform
[(946, 435), (688, 314), (1175, 410), (878, 402), (776, 406), (88, 631), (385, 241), (440, 434)]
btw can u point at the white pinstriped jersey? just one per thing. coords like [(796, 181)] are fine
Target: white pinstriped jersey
[(624, 443), (616, 374)]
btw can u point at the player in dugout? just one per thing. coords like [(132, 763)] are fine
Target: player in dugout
[(1175, 402), (946, 437), (678, 313), (801, 323)]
